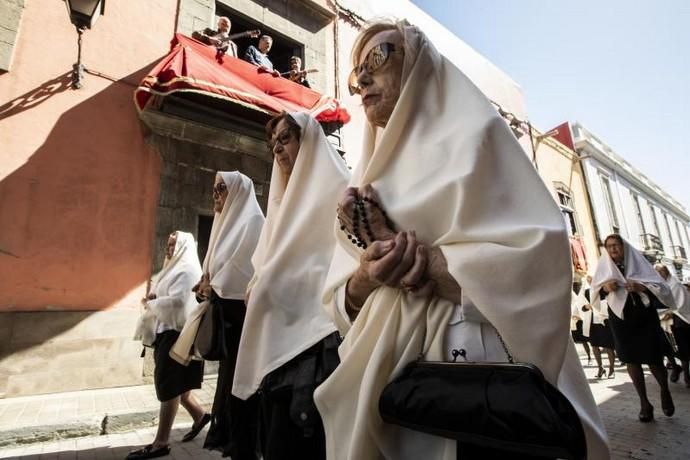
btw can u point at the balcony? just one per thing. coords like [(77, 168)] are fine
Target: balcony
[(651, 244), (679, 254)]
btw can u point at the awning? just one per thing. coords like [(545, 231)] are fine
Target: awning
[(193, 67)]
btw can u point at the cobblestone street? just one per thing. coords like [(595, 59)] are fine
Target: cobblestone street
[(664, 439)]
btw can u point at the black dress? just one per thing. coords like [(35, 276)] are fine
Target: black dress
[(290, 426), (171, 378), (639, 338), (233, 421)]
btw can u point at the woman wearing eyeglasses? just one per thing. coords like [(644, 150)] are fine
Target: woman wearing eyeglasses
[(289, 344), (227, 269), (445, 228)]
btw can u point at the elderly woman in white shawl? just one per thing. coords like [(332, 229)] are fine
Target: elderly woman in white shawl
[(227, 269), (167, 307), (289, 344), (633, 292), (467, 221), (679, 317)]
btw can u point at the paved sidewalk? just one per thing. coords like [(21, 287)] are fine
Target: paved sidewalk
[(28, 419), (664, 439)]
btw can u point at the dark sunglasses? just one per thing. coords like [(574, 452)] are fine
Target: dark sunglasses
[(283, 138), (374, 60), (219, 188)]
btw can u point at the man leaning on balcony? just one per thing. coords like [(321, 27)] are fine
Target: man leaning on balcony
[(259, 55)]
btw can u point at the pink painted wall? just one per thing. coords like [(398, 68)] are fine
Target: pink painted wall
[(78, 186)]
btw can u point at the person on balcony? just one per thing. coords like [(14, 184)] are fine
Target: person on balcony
[(634, 291), (258, 55), (218, 38), (296, 73)]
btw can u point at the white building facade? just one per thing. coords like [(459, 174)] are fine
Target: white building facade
[(627, 202)]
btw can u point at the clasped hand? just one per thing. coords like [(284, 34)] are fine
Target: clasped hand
[(395, 259), (203, 288)]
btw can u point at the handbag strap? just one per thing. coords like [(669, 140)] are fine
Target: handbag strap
[(511, 360)]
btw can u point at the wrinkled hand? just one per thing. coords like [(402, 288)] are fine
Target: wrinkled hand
[(399, 263), (632, 286), (378, 223), (203, 287), (610, 286), (667, 316)]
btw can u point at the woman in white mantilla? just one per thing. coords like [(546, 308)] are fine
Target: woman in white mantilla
[(168, 306), (227, 270), (468, 224), (634, 291), (289, 344)]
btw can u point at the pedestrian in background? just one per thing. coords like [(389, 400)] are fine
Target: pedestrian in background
[(169, 303)]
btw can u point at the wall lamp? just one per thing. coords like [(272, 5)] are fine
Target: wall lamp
[(83, 14)]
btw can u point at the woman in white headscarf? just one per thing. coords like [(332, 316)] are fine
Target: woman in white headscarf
[(633, 291), (227, 270), (168, 305), (679, 317), (289, 344), (578, 314), (595, 328), (477, 223)]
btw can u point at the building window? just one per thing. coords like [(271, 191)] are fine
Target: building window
[(654, 220), (565, 202), (610, 208), (671, 241), (638, 212), (283, 47)]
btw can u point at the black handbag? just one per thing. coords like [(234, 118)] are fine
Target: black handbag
[(487, 407), (210, 337)]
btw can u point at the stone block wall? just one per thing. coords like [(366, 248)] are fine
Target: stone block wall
[(10, 19)]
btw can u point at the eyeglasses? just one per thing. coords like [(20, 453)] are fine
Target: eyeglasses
[(219, 188), (375, 59), (283, 138)]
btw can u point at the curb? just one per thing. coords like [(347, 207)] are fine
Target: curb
[(110, 423)]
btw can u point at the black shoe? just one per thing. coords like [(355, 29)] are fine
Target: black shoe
[(196, 428), (667, 404), (675, 374), (148, 452), (646, 416)]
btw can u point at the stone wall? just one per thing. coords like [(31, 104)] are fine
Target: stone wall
[(10, 18)]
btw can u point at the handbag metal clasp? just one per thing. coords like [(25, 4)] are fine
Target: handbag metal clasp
[(458, 352)]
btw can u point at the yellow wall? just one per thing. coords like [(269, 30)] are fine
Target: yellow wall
[(557, 163)]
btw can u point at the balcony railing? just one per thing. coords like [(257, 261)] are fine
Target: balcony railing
[(679, 254), (651, 243)]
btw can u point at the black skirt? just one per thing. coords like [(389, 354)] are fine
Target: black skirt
[(290, 426), (171, 378), (578, 337), (681, 333), (638, 338), (600, 335), (233, 421)]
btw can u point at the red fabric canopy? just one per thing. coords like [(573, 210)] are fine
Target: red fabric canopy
[(192, 66)]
